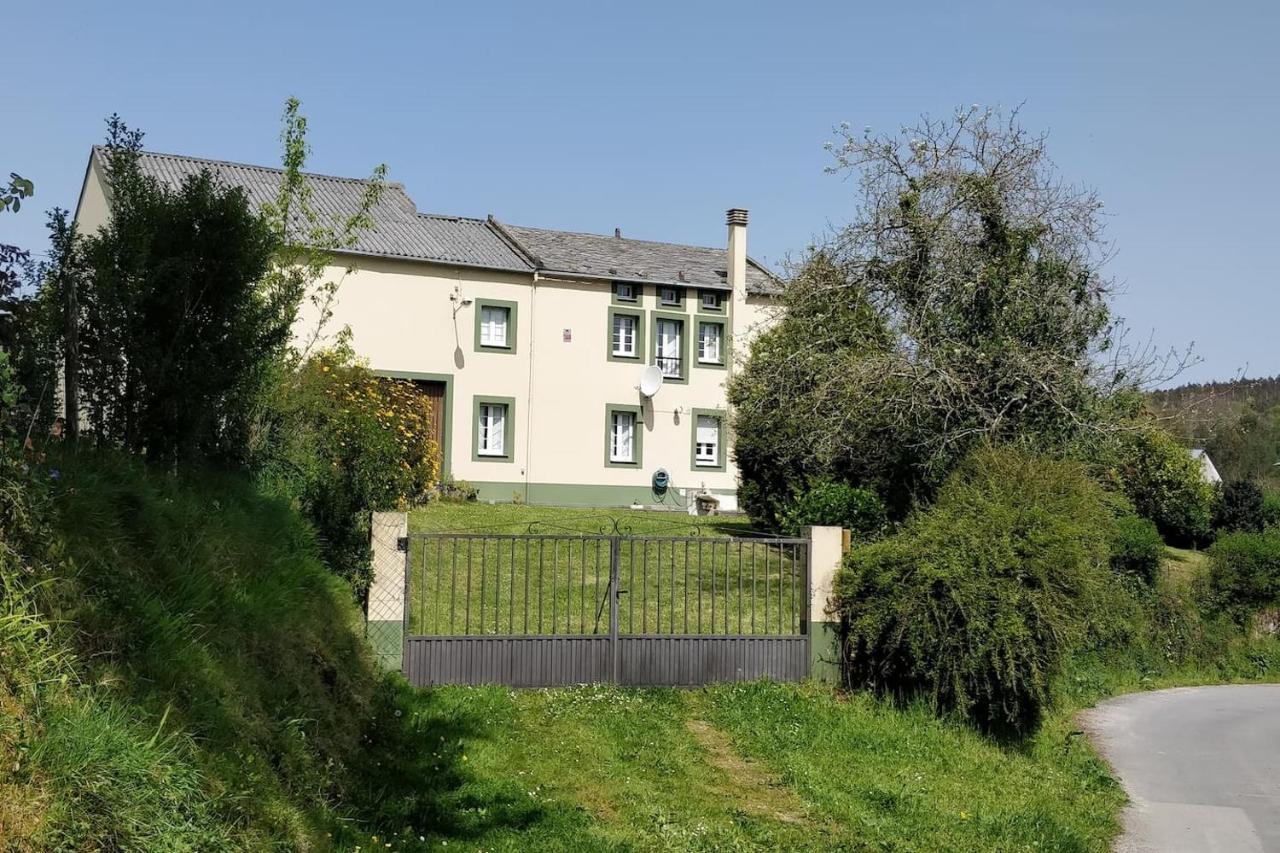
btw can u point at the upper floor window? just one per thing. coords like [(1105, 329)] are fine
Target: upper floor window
[(669, 295), (668, 346), (624, 291), (709, 343), (625, 335), (710, 300), (495, 325)]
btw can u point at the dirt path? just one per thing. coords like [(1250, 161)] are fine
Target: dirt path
[(747, 784)]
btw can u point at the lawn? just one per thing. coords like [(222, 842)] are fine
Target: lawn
[(686, 576), (749, 767)]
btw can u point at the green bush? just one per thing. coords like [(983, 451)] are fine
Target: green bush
[(1244, 573), (340, 442), (1240, 508), (1136, 548), (1165, 484), (841, 505), (974, 604), (1270, 510)]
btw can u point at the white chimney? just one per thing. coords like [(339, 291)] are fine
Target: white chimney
[(736, 217)]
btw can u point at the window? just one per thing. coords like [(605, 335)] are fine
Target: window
[(706, 441), (667, 346), (623, 436), (495, 326), (492, 424), (492, 436), (709, 344), (707, 446), (622, 432), (710, 300), (625, 337), (624, 292), (669, 295)]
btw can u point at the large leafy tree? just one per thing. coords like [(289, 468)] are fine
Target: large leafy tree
[(175, 333), (964, 303)]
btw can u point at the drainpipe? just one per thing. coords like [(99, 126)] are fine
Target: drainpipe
[(528, 418)]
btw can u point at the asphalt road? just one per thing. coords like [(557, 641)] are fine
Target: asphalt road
[(1201, 766)]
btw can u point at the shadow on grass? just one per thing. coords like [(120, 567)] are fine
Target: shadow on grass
[(414, 784)]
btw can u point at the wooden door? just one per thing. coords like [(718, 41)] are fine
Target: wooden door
[(435, 392)]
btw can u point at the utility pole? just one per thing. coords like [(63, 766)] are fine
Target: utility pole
[(71, 355)]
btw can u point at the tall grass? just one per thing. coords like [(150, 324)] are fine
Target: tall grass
[(179, 671)]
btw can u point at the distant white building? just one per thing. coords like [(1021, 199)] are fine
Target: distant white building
[(1207, 469)]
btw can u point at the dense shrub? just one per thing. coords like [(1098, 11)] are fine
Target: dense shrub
[(975, 602), (838, 504), (1244, 573), (1136, 548), (1270, 510), (1165, 484), (1240, 508), (341, 442)]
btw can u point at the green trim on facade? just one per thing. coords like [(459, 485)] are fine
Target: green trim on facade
[(508, 429), (513, 325), (683, 320), (824, 652), (446, 452), (702, 306), (579, 495), (637, 437), (717, 320), (638, 313), (386, 637), (681, 303), (719, 414), (637, 289)]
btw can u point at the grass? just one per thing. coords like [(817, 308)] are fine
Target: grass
[(1182, 565), (686, 578), (754, 767)]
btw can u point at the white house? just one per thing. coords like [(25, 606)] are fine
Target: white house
[(532, 342)]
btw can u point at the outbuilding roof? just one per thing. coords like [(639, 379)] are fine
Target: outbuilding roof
[(398, 230)]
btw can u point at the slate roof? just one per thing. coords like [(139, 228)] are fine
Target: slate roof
[(625, 259), (400, 231)]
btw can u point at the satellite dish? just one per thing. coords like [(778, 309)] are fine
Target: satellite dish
[(650, 381)]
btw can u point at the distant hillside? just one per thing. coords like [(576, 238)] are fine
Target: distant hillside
[(1238, 422)]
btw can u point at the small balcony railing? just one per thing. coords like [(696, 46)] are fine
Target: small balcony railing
[(669, 365)]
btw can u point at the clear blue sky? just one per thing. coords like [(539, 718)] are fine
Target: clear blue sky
[(655, 117)]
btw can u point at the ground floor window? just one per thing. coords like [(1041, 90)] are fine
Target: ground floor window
[(494, 420), (623, 427), (708, 439)]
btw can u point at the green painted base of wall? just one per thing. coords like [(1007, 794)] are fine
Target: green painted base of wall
[(387, 640), (563, 494), (824, 652)]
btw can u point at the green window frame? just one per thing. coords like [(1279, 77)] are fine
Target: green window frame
[(701, 320), (702, 301), (678, 304), (637, 293), (721, 441), (638, 316), (512, 325), (637, 435), (683, 353), (508, 429)]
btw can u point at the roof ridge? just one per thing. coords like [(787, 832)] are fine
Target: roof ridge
[(274, 169), (475, 219), (613, 237)]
